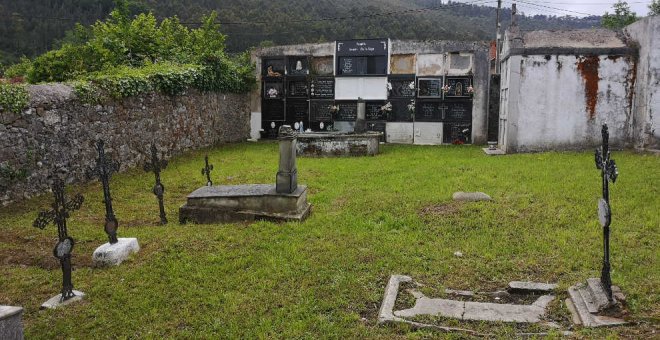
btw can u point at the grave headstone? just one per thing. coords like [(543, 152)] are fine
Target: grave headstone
[(347, 111), (61, 209), (430, 88), (286, 181), (11, 325)]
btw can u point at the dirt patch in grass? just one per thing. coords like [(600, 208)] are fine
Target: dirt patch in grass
[(445, 209), (405, 299), (33, 251)]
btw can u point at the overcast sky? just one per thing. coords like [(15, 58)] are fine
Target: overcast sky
[(594, 7)]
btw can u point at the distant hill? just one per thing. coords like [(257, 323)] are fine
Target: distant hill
[(31, 27)]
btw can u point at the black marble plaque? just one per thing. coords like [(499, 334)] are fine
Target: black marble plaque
[(401, 88), (347, 111), (430, 87), (277, 66), (296, 88), (456, 133), (374, 111), (362, 47), (459, 111), (322, 88), (378, 126), (273, 89), (270, 129), (458, 87), (321, 110), (401, 111), (298, 66), (430, 110), (272, 110), (352, 66), (297, 110)]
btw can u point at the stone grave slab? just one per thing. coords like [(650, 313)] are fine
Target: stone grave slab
[(464, 309), (531, 287), (113, 254), (57, 302), (588, 302), (11, 323), (231, 203)]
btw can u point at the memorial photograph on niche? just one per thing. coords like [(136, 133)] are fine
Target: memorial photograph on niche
[(296, 88), (459, 87), (430, 87)]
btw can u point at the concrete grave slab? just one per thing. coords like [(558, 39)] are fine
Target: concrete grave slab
[(55, 301), (11, 324), (495, 152), (531, 287), (588, 303), (114, 254)]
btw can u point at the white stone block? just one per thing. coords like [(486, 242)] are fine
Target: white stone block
[(114, 254), (55, 301)]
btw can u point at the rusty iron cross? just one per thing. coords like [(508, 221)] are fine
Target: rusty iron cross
[(609, 173), (155, 166), (206, 170), (58, 214), (103, 169)]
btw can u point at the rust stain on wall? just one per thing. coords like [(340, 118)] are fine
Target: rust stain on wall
[(588, 68), (403, 64)]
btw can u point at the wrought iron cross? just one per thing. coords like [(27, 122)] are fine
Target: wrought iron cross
[(609, 172), (155, 166), (104, 169), (63, 248), (206, 170)]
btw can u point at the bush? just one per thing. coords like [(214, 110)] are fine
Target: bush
[(18, 70), (13, 98)]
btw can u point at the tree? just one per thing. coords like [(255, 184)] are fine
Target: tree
[(654, 8), (621, 18)]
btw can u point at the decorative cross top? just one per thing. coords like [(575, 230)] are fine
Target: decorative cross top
[(104, 169), (207, 171), (64, 247), (155, 166), (609, 173)]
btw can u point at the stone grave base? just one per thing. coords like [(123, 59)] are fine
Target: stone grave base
[(249, 202), (466, 310), (338, 144), (55, 302), (11, 325), (493, 152), (114, 254), (589, 305)]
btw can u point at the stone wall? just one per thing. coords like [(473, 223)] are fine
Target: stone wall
[(58, 131)]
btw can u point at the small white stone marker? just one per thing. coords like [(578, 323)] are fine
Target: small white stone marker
[(55, 301), (470, 196), (114, 254), (458, 254)]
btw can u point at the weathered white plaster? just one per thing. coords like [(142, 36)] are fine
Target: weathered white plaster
[(368, 88), (400, 133), (426, 133)]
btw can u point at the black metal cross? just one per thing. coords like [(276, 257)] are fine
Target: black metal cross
[(155, 166), (63, 248), (206, 170), (609, 172), (104, 169)]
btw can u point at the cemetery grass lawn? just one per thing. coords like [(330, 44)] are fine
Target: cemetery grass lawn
[(372, 217)]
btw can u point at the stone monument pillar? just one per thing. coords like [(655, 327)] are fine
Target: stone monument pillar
[(361, 121), (287, 175), (11, 325)]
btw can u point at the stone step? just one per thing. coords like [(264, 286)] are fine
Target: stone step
[(598, 292), (580, 307), (588, 298)]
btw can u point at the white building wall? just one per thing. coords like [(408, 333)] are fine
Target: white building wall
[(547, 107)]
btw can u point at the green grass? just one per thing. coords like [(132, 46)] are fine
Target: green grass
[(325, 277)]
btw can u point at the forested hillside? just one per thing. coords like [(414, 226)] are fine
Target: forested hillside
[(31, 27)]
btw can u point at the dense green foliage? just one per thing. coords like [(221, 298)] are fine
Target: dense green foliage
[(125, 56), (13, 97), (31, 27), (654, 7), (621, 17), (325, 277)]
